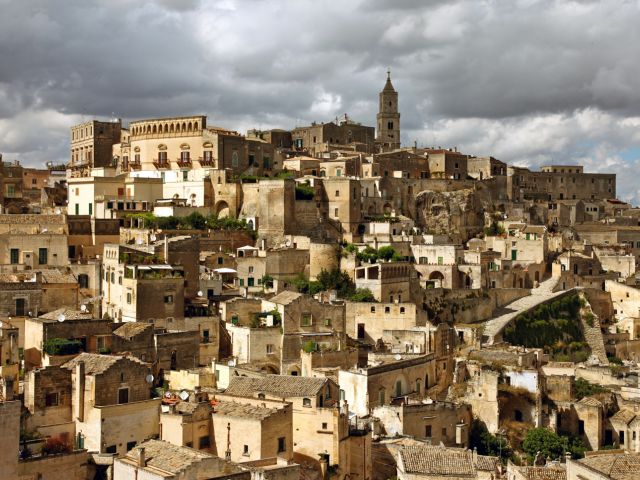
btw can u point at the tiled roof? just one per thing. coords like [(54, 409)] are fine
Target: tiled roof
[(617, 466), (95, 364), (430, 460), (590, 401), (167, 457), (625, 416), (243, 410), (286, 297), (487, 464), (542, 473), (69, 314), (280, 385), (129, 330)]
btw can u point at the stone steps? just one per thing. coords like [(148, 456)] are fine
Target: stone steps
[(593, 335)]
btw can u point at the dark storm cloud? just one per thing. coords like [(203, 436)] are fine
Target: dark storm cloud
[(529, 81)]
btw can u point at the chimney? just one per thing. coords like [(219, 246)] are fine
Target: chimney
[(142, 461), (79, 393)]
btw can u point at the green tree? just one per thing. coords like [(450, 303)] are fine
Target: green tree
[(487, 443), (550, 444), (362, 295), (386, 253)]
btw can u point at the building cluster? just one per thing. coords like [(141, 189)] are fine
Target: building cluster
[(182, 301)]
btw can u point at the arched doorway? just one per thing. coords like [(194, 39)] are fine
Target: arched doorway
[(222, 209)]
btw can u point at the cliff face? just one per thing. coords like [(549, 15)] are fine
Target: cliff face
[(460, 212)]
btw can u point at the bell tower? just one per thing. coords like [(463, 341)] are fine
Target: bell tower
[(388, 118)]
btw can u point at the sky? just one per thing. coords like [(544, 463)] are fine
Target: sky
[(530, 82)]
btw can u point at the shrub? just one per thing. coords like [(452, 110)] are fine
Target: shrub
[(61, 346), (583, 388), (304, 192), (55, 445)]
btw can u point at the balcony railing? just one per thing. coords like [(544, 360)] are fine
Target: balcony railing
[(205, 162), (161, 163), (184, 162), (135, 165)]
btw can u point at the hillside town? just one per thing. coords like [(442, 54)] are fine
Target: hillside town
[(184, 301)]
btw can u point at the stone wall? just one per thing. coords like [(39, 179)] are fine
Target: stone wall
[(68, 466)]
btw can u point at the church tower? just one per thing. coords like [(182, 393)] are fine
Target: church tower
[(388, 132)]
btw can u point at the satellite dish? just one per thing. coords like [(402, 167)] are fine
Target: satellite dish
[(139, 241), (153, 237), (61, 318), (57, 211), (184, 395), (287, 242), (149, 378), (44, 230), (30, 313), (398, 356), (83, 308), (199, 293)]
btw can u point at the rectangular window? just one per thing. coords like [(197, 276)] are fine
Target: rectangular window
[(43, 256), (282, 444), (335, 212), (51, 399), (129, 298), (123, 395), (269, 349), (245, 450), (111, 449), (15, 256), (389, 125), (77, 209), (427, 431), (305, 320), (168, 299), (185, 175), (204, 442), (91, 209), (131, 445)]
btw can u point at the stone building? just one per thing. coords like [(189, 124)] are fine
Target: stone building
[(389, 282), (315, 404), (443, 423), (158, 460), (91, 146), (111, 402), (9, 360), (604, 466), (389, 378), (10, 428), (319, 138), (434, 463)]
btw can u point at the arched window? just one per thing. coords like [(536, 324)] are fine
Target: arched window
[(166, 128), (418, 386), (171, 130), (184, 127), (382, 396), (195, 126), (190, 127), (306, 402), (155, 130)]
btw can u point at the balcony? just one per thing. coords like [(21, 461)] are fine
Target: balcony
[(184, 162), (161, 163), (135, 165), (206, 161)]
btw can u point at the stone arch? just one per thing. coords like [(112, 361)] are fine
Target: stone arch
[(387, 208), (166, 128), (155, 129), (184, 127), (190, 127), (222, 209), (195, 126), (465, 280)]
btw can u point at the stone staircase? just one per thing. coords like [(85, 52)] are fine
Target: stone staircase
[(543, 293), (593, 334)]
